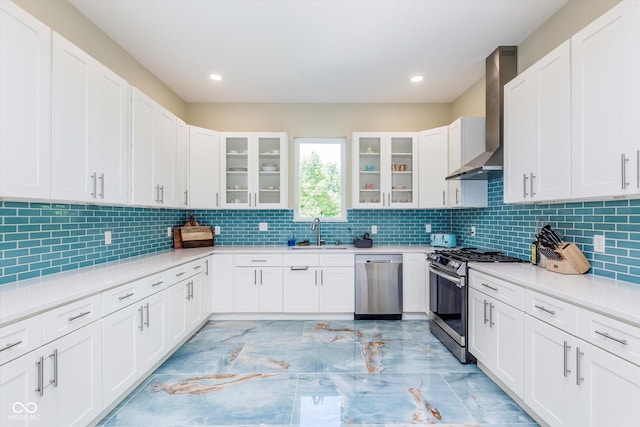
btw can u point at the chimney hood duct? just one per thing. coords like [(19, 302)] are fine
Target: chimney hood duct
[(501, 67)]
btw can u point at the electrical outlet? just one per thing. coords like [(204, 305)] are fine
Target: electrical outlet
[(107, 237), (427, 228), (374, 229), (168, 231), (598, 243), (263, 226), (473, 231), (217, 230)]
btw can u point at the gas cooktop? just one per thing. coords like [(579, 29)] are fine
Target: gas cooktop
[(477, 255)]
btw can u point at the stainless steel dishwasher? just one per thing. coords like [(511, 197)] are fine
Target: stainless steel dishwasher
[(378, 287)]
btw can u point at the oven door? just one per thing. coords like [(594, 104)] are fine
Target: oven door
[(448, 303)]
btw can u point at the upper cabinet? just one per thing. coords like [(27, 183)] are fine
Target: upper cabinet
[(537, 136), (434, 147), (181, 192), (605, 93), (204, 168), (254, 169), (385, 170), (466, 141), (25, 104), (90, 128)]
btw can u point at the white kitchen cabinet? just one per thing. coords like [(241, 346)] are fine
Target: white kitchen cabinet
[(60, 384), (181, 192), (385, 170), (414, 283), (90, 128), (337, 290), (222, 283), (605, 86), (466, 141), (300, 289), (185, 307), (204, 170), (254, 169), (25, 105), (434, 152), (154, 154), (537, 137), (258, 289)]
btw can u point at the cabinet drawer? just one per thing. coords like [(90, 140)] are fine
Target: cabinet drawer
[(337, 260), (20, 338), (257, 260), (550, 310), (610, 334), (199, 266), (301, 260), (499, 289), (117, 298), (68, 318), (150, 285), (179, 273)]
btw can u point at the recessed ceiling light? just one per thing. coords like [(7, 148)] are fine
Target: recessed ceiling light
[(416, 79), (216, 77)]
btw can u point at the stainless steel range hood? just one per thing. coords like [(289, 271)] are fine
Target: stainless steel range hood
[(501, 67)]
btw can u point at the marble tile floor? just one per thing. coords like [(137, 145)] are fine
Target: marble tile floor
[(316, 374)]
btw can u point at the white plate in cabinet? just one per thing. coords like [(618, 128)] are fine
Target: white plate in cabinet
[(499, 289), (558, 313), (619, 338), (68, 318), (20, 338)]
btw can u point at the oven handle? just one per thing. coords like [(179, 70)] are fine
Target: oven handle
[(454, 279)]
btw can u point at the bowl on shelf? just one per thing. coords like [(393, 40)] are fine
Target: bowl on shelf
[(269, 167)]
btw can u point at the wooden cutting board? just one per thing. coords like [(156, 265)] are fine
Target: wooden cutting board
[(194, 237)]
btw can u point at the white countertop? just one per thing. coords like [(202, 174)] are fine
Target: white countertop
[(613, 298), (380, 249)]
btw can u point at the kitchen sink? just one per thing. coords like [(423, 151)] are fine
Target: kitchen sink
[(319, 248)]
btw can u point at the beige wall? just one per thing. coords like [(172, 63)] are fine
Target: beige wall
[(64, 19), (470, 103)]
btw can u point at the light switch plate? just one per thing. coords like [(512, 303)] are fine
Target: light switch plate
[(473, 231), (374, 229), (598, 243), (263, 226), (427, 228), (107, 237), (168, 231), (216, 230)]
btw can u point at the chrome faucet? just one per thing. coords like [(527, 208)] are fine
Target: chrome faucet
[(316, 225)]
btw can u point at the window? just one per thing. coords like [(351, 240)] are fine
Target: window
[(320, 179)]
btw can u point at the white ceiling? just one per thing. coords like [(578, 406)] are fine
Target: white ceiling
[(345, 51)]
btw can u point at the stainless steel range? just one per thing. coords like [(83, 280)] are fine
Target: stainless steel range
[(448, 295)]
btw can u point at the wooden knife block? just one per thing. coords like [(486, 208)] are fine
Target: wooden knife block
[(573, 260)]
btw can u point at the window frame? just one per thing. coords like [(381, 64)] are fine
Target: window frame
[(342, 141)]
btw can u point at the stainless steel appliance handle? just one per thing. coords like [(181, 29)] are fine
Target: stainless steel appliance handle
[(141, 319), (77, 316), (531, 176), (606, 335), (524, 185), (579, 378), (379, 261), (491, 322), (567, 371), (101, 186), (94, 178), (40, 367), (456, 280), (546, 310), (54, 381), (10, 345)]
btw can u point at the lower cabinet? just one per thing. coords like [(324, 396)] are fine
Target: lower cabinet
[(414, 283), (221, 268), (59, 384), (258, 289), (318, 289), (185, 303)]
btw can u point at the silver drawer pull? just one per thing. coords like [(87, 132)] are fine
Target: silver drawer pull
[(8, 346), (546, 310), (180, 274), (130, 294), (157, 283), (258, 260), (72, 318), (299, 268), (490, 287), (196, 267), (606, 335)]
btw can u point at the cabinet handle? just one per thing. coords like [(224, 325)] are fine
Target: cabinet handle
[(40, 367), (260, 277), (524, 185), (444, 198), (54, 381), (123, 297), (157, 283), (94, 178), (490, 287), (258, 260), (146, 307), (531, 176), (186, 197), (606, 335), (546, 310), (624, 161), (255, 277), (255, 199), (207, 264), (579, 354), (567, 371), (72, 318), (141, 319), (457, 196), (249, 197), (192, 289), (638, 168), (316, 277), (321, 277), (197, 267), (299, 268), (8, 346), (491, 322), (484, 316), (157, 194), (162, 194), (102, 186), (217, 201), (180, 274)]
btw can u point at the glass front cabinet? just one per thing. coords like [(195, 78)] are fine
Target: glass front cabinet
[(254, 170), (385, 171)]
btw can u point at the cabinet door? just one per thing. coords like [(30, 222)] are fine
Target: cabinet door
[(73, 170), (120, 352), (549, 379), (246, 291), (604, 66), (414, 283), (337, 290), (222, 283), (204, 171), (270, 186), (207, 288), (481, 337), (25, 104), (144, 189), (18, 398), (270, 281), (194, 302), (300, 289), (181, 183), (509, 346), (608, 391), (177, 312), (367, 163), (402, 184), (164, 156), (434, 167), (235, 179), (153, 336), (77, 392)]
